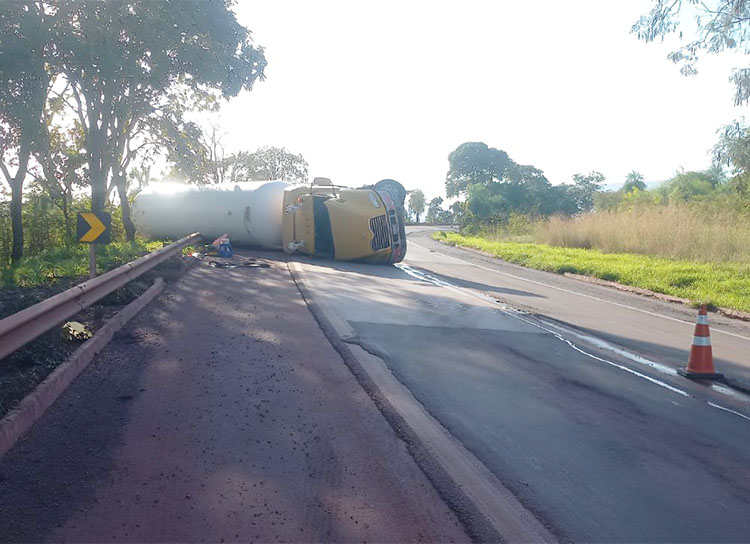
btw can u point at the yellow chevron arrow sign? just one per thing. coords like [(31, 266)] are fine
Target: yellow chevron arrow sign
[(93, 227)]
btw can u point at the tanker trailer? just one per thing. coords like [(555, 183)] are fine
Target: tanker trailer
[(318, 219)]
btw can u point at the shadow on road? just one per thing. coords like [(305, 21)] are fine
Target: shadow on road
[(394, 272)]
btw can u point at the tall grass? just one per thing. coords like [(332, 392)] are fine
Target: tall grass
[(51, 265), (676, 232)]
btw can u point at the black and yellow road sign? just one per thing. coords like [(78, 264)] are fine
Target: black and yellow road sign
[(93, 227)]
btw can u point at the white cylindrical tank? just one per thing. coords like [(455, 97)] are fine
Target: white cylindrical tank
[(249, 212)]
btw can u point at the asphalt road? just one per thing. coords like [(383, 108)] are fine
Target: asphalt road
[(222, 413), (601, 444), (219, 414), (656, 330)]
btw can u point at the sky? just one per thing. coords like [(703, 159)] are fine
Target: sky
[(387, 89)]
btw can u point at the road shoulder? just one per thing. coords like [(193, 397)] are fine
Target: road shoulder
[(220, 413), (488, 510)]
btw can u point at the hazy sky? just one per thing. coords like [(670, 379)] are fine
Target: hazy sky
[(369, 90)]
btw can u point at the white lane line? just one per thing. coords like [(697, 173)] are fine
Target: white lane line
[(664, 369), (418, 274), (728, 410), (737, 395), (657, 366), (576, 293), (669, 371), (511, 519), (607, 361), (441, 283)]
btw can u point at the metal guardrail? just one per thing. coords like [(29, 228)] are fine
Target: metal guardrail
[(23, 327)]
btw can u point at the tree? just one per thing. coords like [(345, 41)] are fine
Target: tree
[(457, 212), (271, 163), (62, 164), (25, 31), (486, 202), (434, 210), (416, 203), (687, 186), (584, 188), (495, 185), (719, 25), (528, 191), (122, 58), (633, 181), (474, 162), (733, 149), (197, 155)]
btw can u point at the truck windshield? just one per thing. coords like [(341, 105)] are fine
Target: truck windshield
[(323, 234)]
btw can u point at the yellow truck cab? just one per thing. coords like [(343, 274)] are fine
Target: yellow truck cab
[(345, 224)]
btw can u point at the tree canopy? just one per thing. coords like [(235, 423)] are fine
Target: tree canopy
[(143, 51), (435, 211), (733, 149), (474, 162), (495, 186), (273, 163), (584, 188), (634, 181), (127, 70), (719, 25), (25, 50), (416, 203)]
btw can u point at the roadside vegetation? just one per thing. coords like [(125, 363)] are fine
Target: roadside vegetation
[(51, 253), (86, 128), (719, 284), (50, 265), (675, 232), (688, 236), (99, 100)]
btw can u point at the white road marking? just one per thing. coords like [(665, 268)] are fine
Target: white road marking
[(655, 314), (607, 361), (418, 274), (441, 283), (511, 519), (728, 410), (737, 395), (664, 369), (656, 366), (669, 371)]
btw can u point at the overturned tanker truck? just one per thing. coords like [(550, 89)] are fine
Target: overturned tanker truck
[(319, 219)]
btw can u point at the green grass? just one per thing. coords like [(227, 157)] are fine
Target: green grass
[(53, 264), (725, 284)]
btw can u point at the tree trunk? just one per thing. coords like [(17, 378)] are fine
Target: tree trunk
[(98, 171), (16, 217), (68, 225), (127, 223), (98, 192), (16, 198)]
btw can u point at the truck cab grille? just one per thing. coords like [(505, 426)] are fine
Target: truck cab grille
[(379, 228)]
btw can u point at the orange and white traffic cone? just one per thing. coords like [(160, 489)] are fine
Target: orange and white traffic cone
[(701, 361)]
